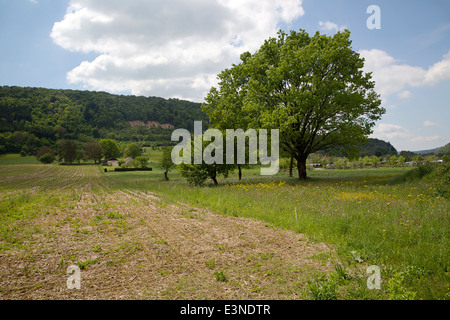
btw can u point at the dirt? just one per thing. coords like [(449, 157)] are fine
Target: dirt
[(135, 246)]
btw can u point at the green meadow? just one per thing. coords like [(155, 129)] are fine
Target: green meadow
[(394, 218), (389, 217)]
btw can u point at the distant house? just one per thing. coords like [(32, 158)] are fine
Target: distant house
[(128, 160), (112, 162)]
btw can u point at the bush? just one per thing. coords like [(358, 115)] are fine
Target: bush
[(141, 162), (132, 151), (47, 158), (193, 174)]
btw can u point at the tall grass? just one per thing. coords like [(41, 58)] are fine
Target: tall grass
[(379, 216)]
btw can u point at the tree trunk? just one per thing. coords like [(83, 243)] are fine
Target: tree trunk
[(301, 166), (214, 177), (240, 172), (165, 176), (291, 164)]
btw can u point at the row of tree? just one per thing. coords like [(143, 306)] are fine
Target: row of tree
[(70, 151), (371, 162)]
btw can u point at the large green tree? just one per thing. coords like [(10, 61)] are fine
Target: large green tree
[(311, 88)]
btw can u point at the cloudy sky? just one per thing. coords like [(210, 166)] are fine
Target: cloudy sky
[(175, 49)]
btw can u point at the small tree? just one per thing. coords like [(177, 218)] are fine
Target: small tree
[(198, 173), (132, 151), (47, 158), (418, 159), (401, 160), (94, 151), (141, 162), (166, 162), (393, 160), (110, 148), (44, 150), (67, 150)]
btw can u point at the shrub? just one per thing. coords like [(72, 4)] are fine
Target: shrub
[(140, 162), (47, 158)]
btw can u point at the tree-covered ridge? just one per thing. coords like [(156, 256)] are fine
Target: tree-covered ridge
[(443, 150), (373, 147), (49, 113)]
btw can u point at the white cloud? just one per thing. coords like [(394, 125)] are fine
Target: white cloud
[(429, 124), (439, 71), (404, 139), (392, 77), (170, 48), (405, 94), (329, 26)]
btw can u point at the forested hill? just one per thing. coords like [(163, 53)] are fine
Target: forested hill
[(373, 147), (35, 117), (47, 113)]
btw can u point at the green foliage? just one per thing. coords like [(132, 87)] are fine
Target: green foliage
[(322, 288), (197, 174), (220, 276), (132, 151), (211, 264), (50, 115), (87, 263), (299, 84), (194, 174), (44, 150), (396, 288), (67, 150), (141, 162), (110, 148), (373, 147), (93, 151), (166, 162), (445, 150), (47, 158)]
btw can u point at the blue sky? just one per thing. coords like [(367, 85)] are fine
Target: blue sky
[(175, 48)]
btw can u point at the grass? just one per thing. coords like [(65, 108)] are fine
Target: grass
[(17, 159), (395, 218)]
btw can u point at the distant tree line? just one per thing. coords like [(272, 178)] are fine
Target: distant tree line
[(72, 151), (34, 117)]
